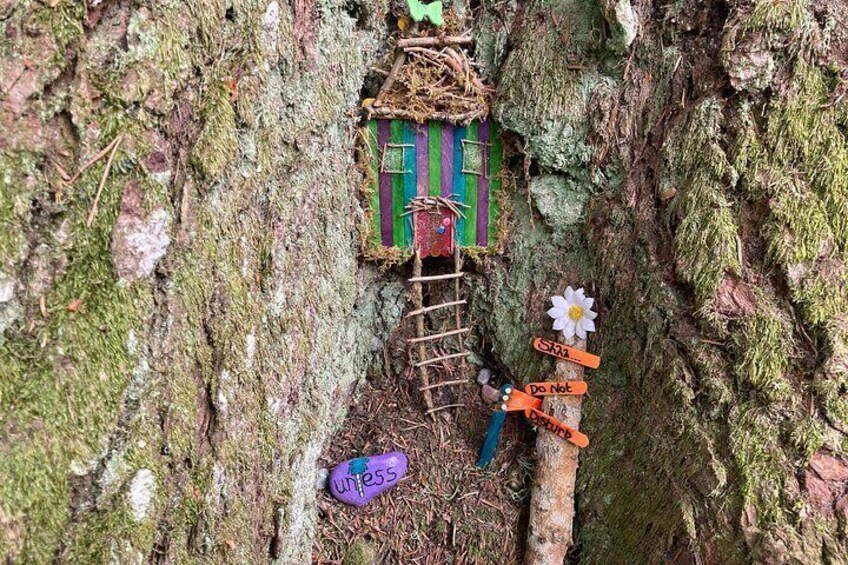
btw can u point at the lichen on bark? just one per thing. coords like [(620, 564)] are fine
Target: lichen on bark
[(684, 161), (169, 399)]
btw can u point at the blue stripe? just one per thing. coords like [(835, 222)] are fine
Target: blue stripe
[(459, 133), (410, 180)]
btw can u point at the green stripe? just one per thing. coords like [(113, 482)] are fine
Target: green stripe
[(495, 182), (434, 158), (374, 196), (471, 194), (396, 137)]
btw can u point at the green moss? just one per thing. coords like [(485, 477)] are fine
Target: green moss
[(823, 297), (799, 163), (778, 15), (807, 437), (748, 153), (832, 390), (805, 134), (109, 532), (762, 465), (217, 147), (713, 372), (764, 352), (706, 238), (62, 383), (798, 227), (543, 97), (210, 16), (65, 22)]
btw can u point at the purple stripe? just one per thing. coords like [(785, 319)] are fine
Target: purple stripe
[(483, 188), (447, 160), (421, 151), (383, 137)]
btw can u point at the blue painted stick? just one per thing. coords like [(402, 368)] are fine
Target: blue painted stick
[(493, 434)]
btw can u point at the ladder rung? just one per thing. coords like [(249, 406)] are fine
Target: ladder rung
[(445, 358), (446, 383), (438, 336), (436, 307), (437, 277)]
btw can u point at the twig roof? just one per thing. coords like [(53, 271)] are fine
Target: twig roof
[(432, 78)]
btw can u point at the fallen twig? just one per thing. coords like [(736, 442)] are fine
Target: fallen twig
[(92, 161), (93, 212), (401, 114), (390, 80), (435, 41)]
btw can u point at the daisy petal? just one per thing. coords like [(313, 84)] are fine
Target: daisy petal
[(569, 329), (587, 303), (587, 324), (559, 302), (559, 324), (590, 315), (579, 297), (556, 312), (569, 295), (581, 333)]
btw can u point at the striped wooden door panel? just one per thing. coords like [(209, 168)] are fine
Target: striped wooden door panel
[(430, 159)]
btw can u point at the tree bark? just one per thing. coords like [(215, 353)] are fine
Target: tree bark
[(170, 373)]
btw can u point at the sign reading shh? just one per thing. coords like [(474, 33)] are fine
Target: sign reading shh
[(565, 352)]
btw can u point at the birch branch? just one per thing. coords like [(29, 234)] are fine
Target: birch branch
[(550, 531)]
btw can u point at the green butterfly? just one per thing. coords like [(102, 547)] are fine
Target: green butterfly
[(432, 11)]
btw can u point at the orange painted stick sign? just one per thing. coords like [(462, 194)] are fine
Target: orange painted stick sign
[(568, 353), (529, 403), (542, 420)]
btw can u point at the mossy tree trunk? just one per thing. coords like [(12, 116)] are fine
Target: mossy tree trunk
[(170, 373), (709, 140)]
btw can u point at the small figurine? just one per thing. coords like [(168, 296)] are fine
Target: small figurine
[(358, 481)]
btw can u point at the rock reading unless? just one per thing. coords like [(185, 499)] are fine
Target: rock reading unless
[(358, 481)]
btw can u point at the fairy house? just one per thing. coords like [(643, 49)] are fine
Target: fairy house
[(433, 158), (433, 167)]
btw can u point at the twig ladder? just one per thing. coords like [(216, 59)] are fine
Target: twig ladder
[(422, 337)]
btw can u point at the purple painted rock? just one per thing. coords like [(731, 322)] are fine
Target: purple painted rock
[(357, 481)]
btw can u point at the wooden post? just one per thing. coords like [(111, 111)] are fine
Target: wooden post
[(418, 301), (550, 531), (457, 269)]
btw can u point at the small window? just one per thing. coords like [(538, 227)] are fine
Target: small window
[(394, 157), (473, 157)]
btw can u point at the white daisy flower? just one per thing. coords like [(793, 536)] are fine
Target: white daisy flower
[(572, 313)]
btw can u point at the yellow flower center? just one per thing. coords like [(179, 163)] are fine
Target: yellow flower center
[(575, 312)]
